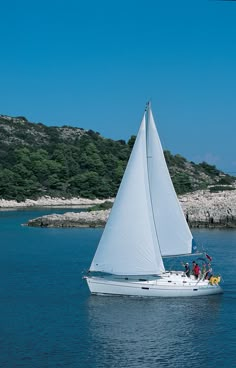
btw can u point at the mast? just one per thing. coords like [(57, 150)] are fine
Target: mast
[(149, 158)]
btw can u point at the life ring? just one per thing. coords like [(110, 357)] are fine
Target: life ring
[(214, 280)]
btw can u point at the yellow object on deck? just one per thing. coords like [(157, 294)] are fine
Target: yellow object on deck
[(214, 280)]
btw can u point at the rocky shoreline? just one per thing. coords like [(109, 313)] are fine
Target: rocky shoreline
[(201, 208), (47, 201), (210, 210), (72, 219)]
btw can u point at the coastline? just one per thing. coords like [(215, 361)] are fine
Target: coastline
[(201, 209), (72, 219), (210, 210), (48, 201)]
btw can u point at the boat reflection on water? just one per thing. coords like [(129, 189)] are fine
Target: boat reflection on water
[(143, 332)]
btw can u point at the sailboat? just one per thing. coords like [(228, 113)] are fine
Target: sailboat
[(145, 225)]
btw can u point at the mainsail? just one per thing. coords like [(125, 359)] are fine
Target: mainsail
[(146, 220)]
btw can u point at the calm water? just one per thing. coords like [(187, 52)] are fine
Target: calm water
[(49, 319)]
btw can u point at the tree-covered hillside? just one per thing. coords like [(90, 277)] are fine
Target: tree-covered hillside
[(37, 160)]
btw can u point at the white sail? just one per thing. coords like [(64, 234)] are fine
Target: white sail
[(172, 229), (129, 244)]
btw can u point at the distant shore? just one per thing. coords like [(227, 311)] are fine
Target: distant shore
[(47, 201), (201, 208)]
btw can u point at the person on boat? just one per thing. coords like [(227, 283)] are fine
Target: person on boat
[(193, 266), (209, 272), (204, 270), (187, 269), (197, 271)]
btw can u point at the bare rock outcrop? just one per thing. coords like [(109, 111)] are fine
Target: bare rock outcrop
[(72, 219), (206, 209), (48, 201)]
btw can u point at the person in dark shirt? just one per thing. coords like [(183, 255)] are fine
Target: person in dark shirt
[(187, 269)]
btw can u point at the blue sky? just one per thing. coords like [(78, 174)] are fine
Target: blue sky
[(94, 64)]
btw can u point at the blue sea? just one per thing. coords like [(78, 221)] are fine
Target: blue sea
[(49, 319)]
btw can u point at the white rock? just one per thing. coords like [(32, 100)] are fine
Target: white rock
[(47, 201)]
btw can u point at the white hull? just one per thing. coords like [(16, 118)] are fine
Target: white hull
[(169, 284)]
